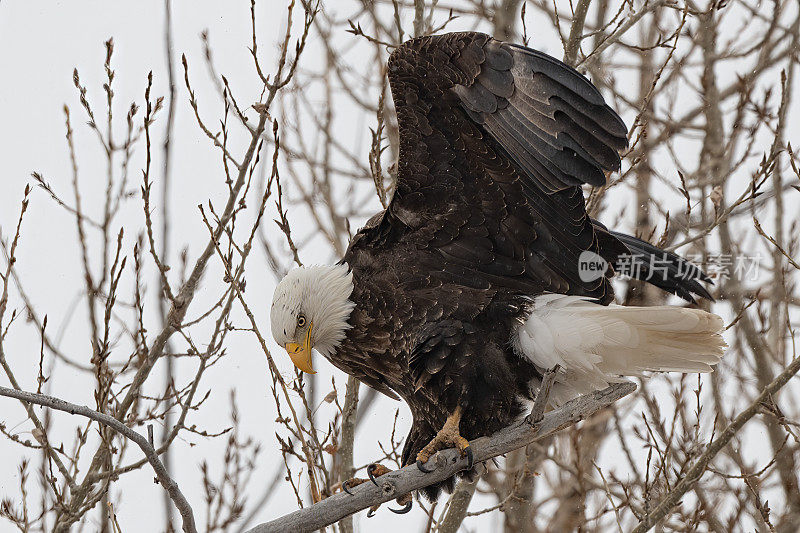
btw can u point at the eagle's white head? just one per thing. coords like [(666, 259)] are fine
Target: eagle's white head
[(310, 309)]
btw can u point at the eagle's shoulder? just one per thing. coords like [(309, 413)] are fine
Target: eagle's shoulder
[(372, 234)]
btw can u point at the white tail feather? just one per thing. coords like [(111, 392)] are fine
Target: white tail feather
[(595, 345)]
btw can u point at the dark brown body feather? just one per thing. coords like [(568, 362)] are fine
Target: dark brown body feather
[(495, 141)]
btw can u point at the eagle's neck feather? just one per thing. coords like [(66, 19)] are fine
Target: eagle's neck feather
[(329, 305)]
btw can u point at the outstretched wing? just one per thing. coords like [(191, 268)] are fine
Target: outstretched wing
[(495, 141), (551, 120)]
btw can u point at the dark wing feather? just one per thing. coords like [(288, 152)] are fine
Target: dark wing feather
[(551, 120)]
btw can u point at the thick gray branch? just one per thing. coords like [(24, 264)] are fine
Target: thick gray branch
[(346, 470), (152, 457), (458, 505), (448, 463), (576, 33)]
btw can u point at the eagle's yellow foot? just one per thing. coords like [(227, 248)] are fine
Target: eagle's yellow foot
[(348, 484), (447, 437), (404, 500), (375, 471)]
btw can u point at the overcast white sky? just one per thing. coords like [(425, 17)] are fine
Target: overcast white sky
[(40, 45)]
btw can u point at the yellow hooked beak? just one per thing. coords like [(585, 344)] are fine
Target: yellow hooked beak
[(300, 354)]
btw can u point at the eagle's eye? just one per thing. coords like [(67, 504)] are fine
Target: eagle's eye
[(301, 321)]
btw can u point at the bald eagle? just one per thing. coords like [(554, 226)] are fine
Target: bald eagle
[(473, 281)]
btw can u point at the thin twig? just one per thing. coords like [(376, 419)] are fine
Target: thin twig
[(693, 474), (167, 482)]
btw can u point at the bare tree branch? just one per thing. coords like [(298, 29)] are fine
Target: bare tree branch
[(448, 464), (164, 479), (458, 505)]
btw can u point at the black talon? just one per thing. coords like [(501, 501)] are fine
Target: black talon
[(346, 487), (470, 458), (404, 510), (423, 468), (370, 513), (370, 470)]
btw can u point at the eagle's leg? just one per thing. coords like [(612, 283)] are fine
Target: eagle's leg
[(374, 471), (447, 437)]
